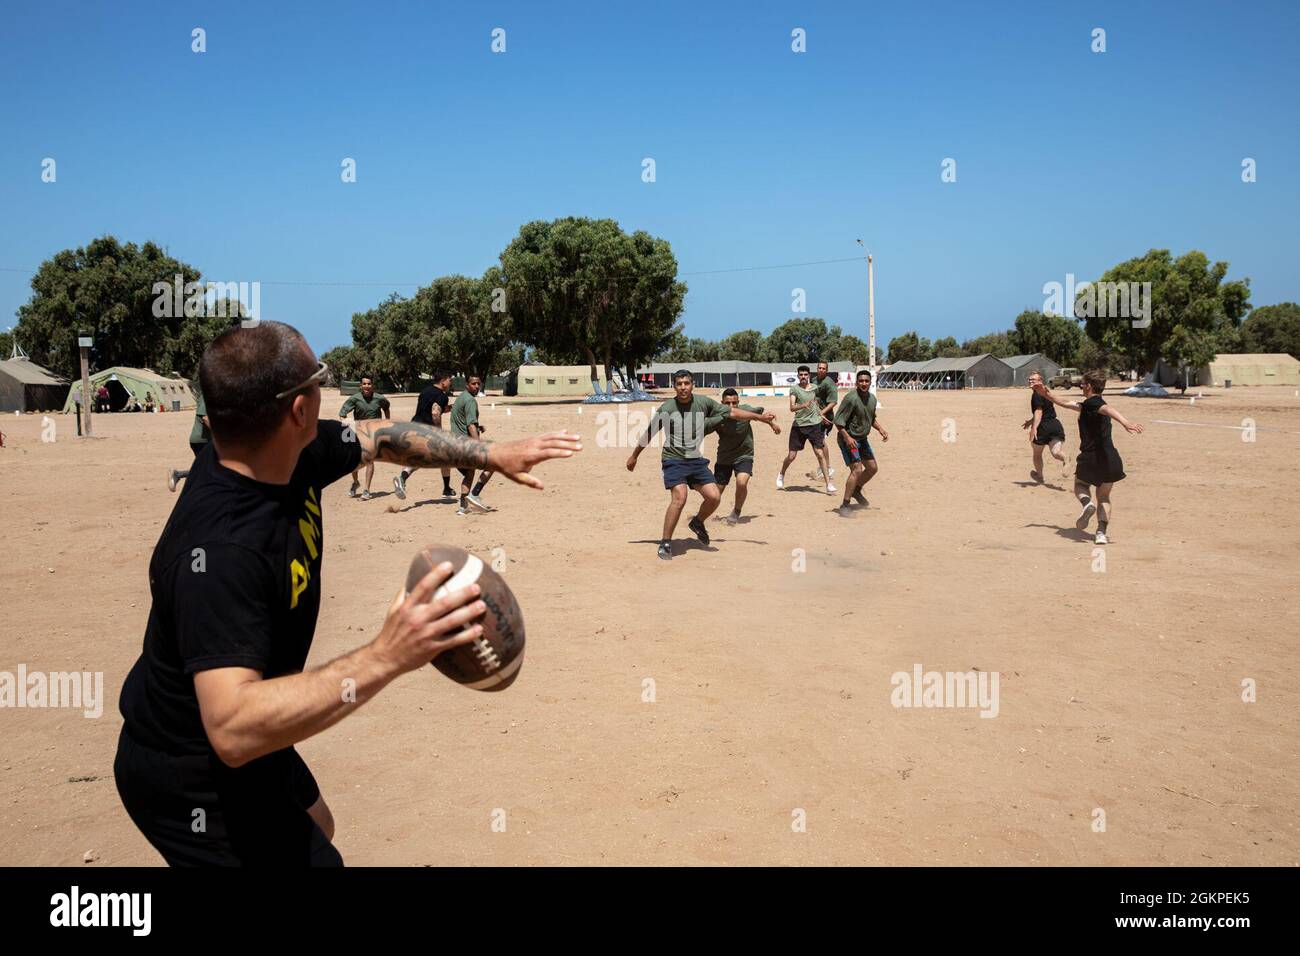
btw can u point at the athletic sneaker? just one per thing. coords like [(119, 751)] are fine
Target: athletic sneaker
[(399, 487), (843, 508), (172, 478), (1100, 538), (732, 518), (701, 532), (352, 492), (830, 488), (780, 481), (860, 498), (1085, 516), (1035, 476), (460, 512), (365, 495), (477, 504), (666, 550), (448, 492)]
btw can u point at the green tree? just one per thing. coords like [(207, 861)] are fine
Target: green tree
[(803, 341), (997, 344), (6, 345), (947, 347), (849, 348), (1053, 335), (748, 345), (108, 287), (347, 363), (1272, 329), (909, 347), (1191, 307)]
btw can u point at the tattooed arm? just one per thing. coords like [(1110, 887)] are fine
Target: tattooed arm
[(413, 445)]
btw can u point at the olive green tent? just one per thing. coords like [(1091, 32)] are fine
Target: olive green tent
[(122, 382)]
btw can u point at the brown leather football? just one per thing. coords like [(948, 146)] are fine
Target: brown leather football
[(492, 662)]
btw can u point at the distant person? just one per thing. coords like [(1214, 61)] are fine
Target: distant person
[(148, 401), (365, 406), (200, 435), (1099, 465), (684, 418), (827, 391), (464, 422), (1045, 429), (807, 427), (429, 409), (735, 455), (854, 419)]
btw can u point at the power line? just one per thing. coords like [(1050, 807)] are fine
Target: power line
[(391, 285)]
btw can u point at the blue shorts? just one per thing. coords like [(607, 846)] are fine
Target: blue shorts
[(863, 453), (722, 473), (687, 471)]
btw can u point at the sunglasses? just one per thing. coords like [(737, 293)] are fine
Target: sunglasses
[(322, 370)]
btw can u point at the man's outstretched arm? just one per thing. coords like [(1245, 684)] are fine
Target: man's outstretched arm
[(422, 446)]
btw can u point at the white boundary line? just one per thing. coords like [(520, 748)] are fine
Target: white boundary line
[(1238, 428)]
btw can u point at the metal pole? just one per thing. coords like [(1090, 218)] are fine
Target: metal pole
[(85, 387), (871, 317)]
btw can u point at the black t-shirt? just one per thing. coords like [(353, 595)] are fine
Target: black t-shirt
[(1037, 401), (1094, 427), (235, 582), (430, 397)]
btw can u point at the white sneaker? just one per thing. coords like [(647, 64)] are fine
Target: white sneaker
[(352, 492), (732, 518), (830, 488), (780, 481), (1085, 515), (1100, 538), (477, 504)]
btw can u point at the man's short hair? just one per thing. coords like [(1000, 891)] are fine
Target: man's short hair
[(366, 378), (804, 368), (442, 373), (1096, 380), (241, 373), (730, 391), (682, 373), (862, 372)]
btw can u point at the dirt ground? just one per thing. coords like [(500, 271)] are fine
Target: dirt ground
[(771, 737)]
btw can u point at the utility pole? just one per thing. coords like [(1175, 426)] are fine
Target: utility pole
[(84, 342), (871, 316)]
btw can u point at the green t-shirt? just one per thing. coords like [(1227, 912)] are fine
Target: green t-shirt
[(828, 393), (809, 415), (735, 438), (464, 412), (685, 426), (855, 416), (199, 433), (363, 410)]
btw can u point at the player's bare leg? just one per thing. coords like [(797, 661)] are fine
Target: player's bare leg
[(712, 496), (1055, 449), (474, 501), (742, 492), (824, 462), (1037, 473), (466, 483), (1103, 511), (789, 460), (676, 502)]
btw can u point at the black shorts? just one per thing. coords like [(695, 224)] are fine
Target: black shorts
[(1101, 467), (1049, 430), (722, 473), (196, 811), (801, 434)]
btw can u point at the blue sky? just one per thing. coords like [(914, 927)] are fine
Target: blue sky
[(1068, 161)]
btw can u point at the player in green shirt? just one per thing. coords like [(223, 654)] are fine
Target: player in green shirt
[(807, 428), (365, 406), (684, 419), (464, 421), (828, 395), (854, 419), (200, 435), (735, 450)]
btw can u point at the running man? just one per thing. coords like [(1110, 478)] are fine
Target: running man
[(735, 450), (807, 428), (684, 419), (1099, 465), (365, 406), (828, 395), (221, 692), (1044, 429), (464, 422), (429, 409), (200, 435), (854, 420)]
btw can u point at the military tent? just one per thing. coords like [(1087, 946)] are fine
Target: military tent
[(1250, 369), (26, 387), (123, 382)]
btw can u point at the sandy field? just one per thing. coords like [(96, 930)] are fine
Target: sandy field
[(771, 737)]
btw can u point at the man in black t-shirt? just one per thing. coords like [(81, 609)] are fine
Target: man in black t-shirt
[(206, 765), (429, 409)]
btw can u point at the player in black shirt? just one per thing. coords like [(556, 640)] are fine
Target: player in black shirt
[(206, 765), (1044, 429), (429, 409), (1099, 464)]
